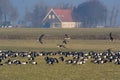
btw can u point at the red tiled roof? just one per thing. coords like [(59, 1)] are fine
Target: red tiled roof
[(64, 15)]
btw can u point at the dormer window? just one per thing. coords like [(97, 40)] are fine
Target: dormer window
[(49, 16), (53, 16)]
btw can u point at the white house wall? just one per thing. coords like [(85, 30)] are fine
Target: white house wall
[(70, 25)]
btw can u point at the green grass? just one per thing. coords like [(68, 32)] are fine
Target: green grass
[(80, 33), (50, 45), (61, 71)]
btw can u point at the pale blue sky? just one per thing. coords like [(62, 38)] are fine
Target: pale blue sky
[(21, 4)]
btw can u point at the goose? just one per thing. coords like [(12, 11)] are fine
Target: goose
[(110, 36), (41, 38), (67, 36)]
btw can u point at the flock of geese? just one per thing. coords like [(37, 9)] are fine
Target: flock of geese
[(22, 58), (77, 57)]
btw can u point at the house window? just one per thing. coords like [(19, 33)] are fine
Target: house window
[(49, 16), (53, 16)]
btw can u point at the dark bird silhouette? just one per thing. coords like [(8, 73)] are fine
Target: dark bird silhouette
[(67, 36), (110, 36), (41, 38), (64, 41)]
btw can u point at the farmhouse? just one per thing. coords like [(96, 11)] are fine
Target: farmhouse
[(60, 18)]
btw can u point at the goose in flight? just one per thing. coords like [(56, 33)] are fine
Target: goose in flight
[(110, 36), (41, 38), (67, 36), (65, 41)]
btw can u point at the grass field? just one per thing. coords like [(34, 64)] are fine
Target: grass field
[(50, 45), (26, 39), (80, 33)]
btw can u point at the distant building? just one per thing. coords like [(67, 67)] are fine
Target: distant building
[(6, 24), (60, 18), (100, 26)]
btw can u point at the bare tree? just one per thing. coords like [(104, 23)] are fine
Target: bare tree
[(112, 16), (0, 15), (36, 16), (14, 14), (7, 11), (91, 13), (64, 6), (116, 16)]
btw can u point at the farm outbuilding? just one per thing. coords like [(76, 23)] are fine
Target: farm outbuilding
[(60, 18)]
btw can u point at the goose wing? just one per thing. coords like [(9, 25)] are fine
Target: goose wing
[(41, 38)]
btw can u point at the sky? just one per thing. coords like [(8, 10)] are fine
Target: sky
[(22, 4)]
